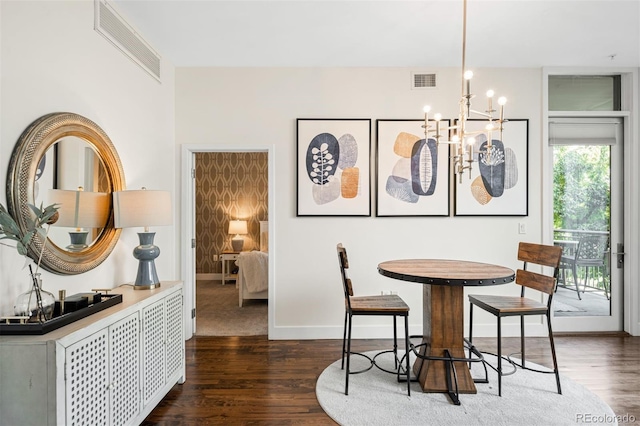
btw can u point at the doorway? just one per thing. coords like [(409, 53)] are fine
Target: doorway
[(189, 229), (231, 207), (588, 221)]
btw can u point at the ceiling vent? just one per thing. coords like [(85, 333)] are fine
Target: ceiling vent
[(423, 81), (115, 29)]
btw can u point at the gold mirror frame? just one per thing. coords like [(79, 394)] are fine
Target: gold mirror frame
[(30, 148)]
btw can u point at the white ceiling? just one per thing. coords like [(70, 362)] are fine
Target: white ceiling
[(388, 33)]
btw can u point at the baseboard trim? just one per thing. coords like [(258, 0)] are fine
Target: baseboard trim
[(591, 334), (209, 276)]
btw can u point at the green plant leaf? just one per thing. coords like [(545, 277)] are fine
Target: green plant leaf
[(7, 224), (22, 250), (10, 229)]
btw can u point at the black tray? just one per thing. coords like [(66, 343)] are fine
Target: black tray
[(35, 328)]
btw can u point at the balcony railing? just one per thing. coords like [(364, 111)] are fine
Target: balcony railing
[(585, 259)]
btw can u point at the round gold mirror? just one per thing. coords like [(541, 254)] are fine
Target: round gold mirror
[(61, 151)]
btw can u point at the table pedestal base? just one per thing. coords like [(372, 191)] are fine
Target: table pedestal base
[(443, 329)]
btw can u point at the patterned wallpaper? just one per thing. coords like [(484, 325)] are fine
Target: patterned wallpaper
[(229, 185)]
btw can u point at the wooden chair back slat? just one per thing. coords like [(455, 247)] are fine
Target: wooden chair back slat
[(342, 254), (349, 286), (344, 265), (540, 254), (543, 283)]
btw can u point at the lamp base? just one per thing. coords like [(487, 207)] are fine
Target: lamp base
[(237, 243), (78, 241), (145, 287), (146, 253)]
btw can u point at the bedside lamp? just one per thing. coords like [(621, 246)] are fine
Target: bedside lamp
[(143, 208), (237, 227), (80, 209)]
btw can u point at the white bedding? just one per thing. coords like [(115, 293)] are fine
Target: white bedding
[(254, 267), (253, 276)]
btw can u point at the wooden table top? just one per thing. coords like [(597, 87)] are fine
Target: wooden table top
[(446, 272)]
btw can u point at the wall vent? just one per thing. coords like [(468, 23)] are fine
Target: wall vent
[(423, 81), (115, 29)]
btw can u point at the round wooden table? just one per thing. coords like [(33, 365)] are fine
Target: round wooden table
[(443, 311)]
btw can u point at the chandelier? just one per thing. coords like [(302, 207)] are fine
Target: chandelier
[(463, 139)]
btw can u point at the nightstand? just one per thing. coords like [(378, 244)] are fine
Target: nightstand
[(225, 257)]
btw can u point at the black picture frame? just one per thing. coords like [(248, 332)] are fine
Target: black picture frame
[(403, 186), (506, 191), (333, 167)]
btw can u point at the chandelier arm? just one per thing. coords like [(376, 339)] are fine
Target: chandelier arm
[(483, 114)]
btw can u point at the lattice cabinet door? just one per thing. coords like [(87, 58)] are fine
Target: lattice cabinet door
[(175, 340), (124, 368), (153, 352), (87, 381)]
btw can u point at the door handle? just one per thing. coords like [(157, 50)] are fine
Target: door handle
[(620, 255)]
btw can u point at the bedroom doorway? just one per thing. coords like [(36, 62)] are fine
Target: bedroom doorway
[(231, 191), (220, 185)]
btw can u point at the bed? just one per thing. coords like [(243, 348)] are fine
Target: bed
[(253, 270)]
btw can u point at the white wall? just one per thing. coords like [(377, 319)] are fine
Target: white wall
[(248, 106), (53, 60)]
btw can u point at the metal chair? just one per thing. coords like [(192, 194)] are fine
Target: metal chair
[(591, 253), (505, 306), (387, 305)]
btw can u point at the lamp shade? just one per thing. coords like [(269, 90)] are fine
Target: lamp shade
[(238, 227), (81, 209), (141, 208)]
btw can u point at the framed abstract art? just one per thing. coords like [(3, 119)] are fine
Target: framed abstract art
[(412, 174), (333, 167), (499, 180)]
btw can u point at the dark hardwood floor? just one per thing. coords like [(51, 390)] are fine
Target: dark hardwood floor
[(251, 380)]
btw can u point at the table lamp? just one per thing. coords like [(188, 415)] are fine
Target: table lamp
[(80, 209), (237, 227), (143, 208)]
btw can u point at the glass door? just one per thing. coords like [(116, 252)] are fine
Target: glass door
[(587, 219)]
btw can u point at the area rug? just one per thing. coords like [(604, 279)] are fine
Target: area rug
[(218, 313), (528, 398)]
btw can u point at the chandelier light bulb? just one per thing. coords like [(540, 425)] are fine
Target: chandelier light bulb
[(490, 93), (489, 127), (468, 75), (502, 100), (437, 117), (455, 138), (470, 142), (426, 108)]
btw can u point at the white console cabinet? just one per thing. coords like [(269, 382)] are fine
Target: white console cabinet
[(111, 368)]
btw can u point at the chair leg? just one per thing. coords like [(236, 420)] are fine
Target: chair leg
[(406, 348), (346, 385), (470, 329), (344, 337), (575, 280), (499, 356), (586, 278), (522, 350), (553, 353), (395, 342)]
